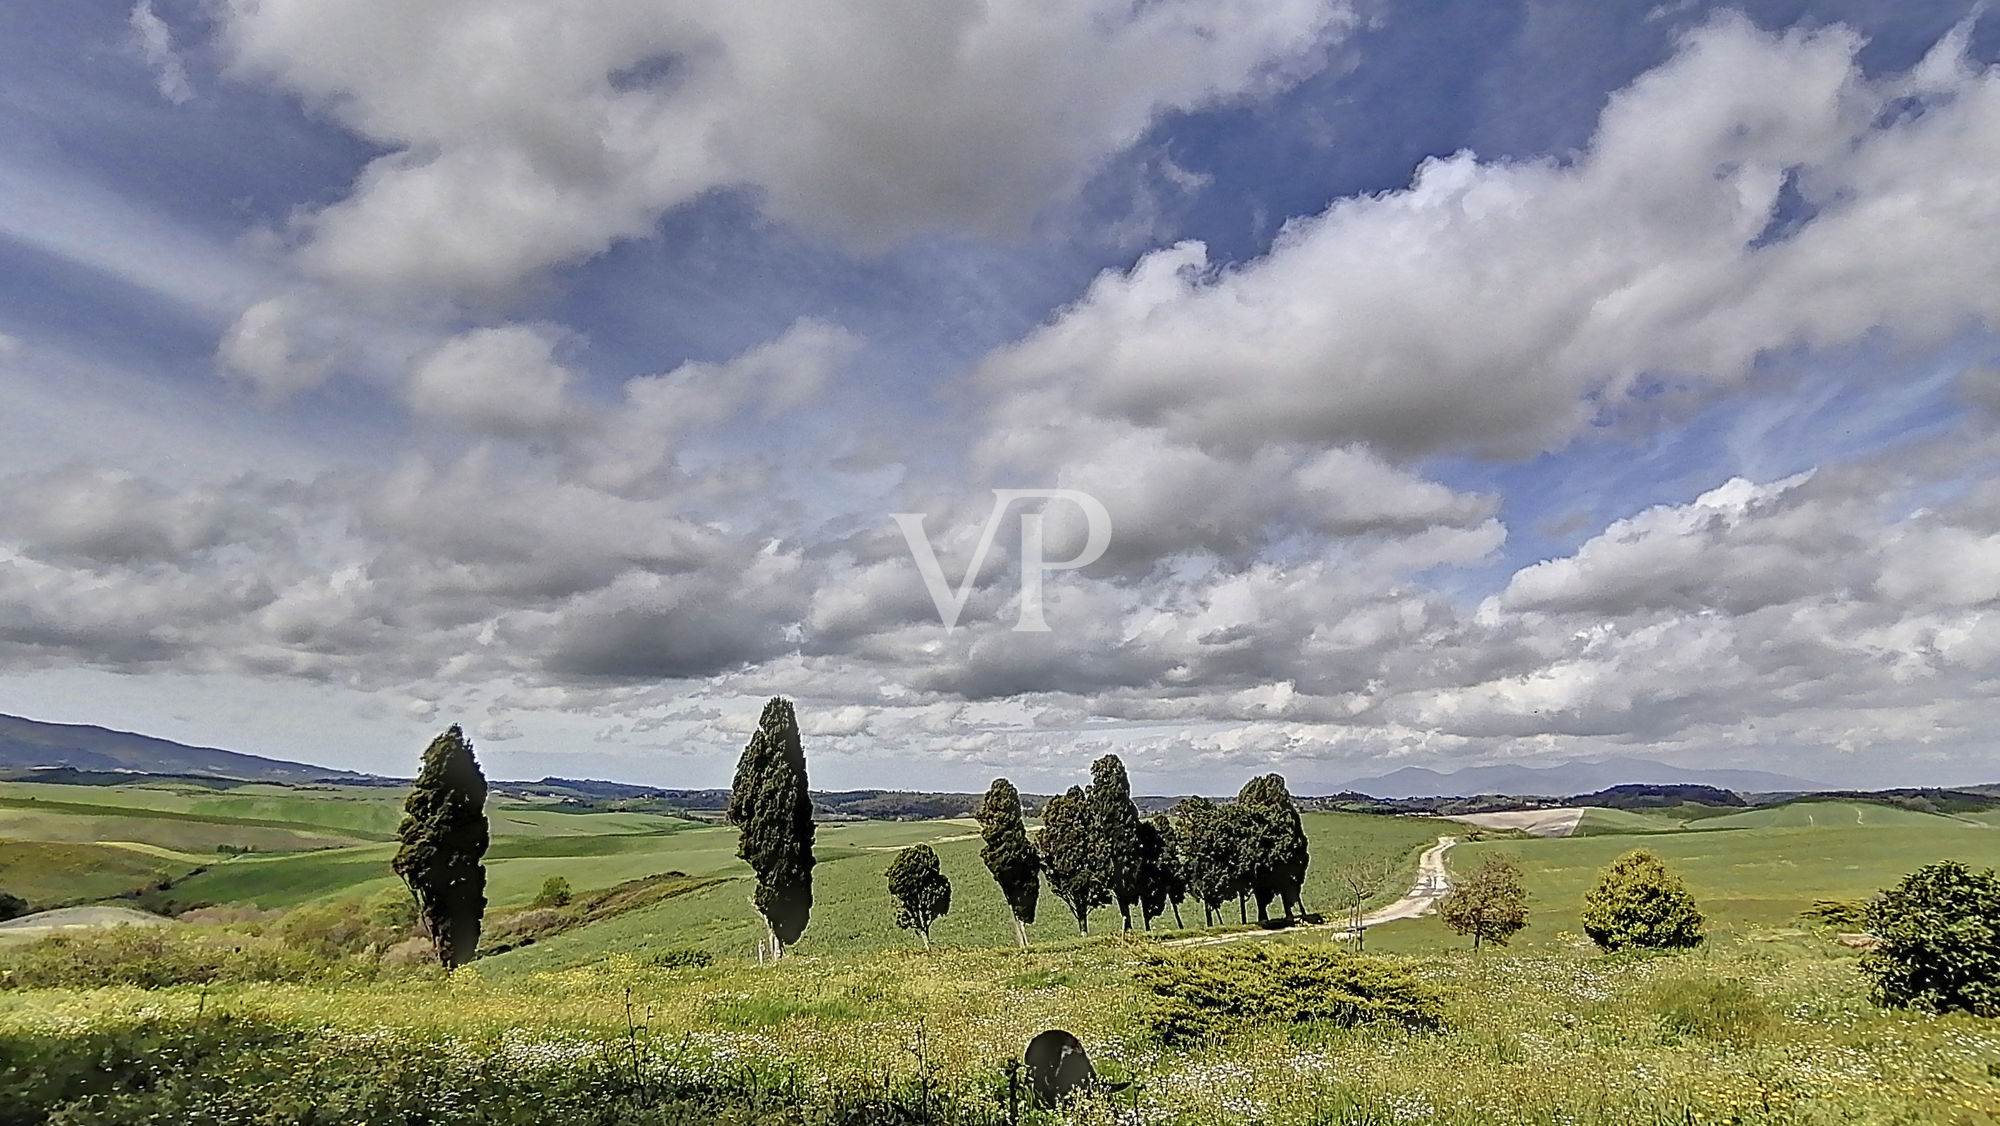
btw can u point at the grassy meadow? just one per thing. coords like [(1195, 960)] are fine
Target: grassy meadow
[(613, 1021)]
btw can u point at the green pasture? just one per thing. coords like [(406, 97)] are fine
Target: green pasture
[(1748, 880), (46, 873)]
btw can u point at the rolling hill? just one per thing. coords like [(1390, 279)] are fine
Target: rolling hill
[(29, 744)]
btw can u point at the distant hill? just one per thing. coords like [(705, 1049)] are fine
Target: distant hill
[(1569, 778), (28, 743)]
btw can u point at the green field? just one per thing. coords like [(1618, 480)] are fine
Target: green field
[(1750, 872), (1767, 1023)]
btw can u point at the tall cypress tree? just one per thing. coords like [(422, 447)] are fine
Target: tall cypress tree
[(444, 838), (1166, 875), (1009, 855), (1114, 835), (771, 807), (1065, 847), (1279, 843), (1211, 849)]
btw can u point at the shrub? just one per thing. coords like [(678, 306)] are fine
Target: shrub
[(1839, 914), (1204, 993), (155, 957), (682, 958), (1940, 941), (555, 893), (1640, 903), (1724, 1011), (348, 926)]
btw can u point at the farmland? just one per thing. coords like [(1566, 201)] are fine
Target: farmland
[(1767, 1022)]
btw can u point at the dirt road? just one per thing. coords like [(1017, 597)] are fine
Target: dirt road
[(1433, 882)]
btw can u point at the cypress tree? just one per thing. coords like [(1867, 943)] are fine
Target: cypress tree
[(922, 894), (1009, 855), (1065, 847), (1279, 849), (1213, 854), (1168, 880), (444, 838), (771, 807), (1114, 835)]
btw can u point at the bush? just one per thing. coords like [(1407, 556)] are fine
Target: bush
[(555, 893), (682, 958), (155, 957), (1201, 994), (1639, 903), (1940, 941), (12, 906), (1838, 914), (348, 926)]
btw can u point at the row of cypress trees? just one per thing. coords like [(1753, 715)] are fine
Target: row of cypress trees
[(1095, 851), (1093, 847)]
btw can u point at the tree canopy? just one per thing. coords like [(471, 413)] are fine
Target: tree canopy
[(1067, 858), (1009, 855), (1939, 932), (1490, 904), (922, 894), (444, 838), (773, 811)]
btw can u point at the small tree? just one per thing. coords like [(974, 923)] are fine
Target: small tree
[(1114, 835), (773, 810), (555, 893), (1638, 902), (444, 839), (1490, 904), (922, 894), (1065, 847), (1361, 877), (1940, 941), (1009, 855)]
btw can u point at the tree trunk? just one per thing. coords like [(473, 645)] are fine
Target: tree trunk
[(1242, 910), (1263, 910), (1178, 925), (1020, 932), (1125, 909), (926, 936)]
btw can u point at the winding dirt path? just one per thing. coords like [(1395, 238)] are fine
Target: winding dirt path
[(1433, 882)]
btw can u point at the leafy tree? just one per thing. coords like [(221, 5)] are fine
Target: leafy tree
[(1114, 834), (1940, 941), (1165, 870), (1639, 902), (1216, 853), (1278, 844), (1065, 847), (555, 893), (1009, 855), (922, 894), (444, 839), (769, 804), (1490, 904), (12, 906)]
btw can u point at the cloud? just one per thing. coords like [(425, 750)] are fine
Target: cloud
[(1505, 307), (523, 135), (502, 380), (154, 41)]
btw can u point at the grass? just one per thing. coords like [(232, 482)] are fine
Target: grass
[(47, 873), (1746, 880), (1772, 1033)]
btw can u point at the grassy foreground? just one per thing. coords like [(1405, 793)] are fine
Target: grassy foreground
[(1767, 1032)]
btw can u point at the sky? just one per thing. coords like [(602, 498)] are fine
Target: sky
[(1461, 381)]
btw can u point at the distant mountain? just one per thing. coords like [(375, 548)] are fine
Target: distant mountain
[(28, 743), (1567, 778)]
